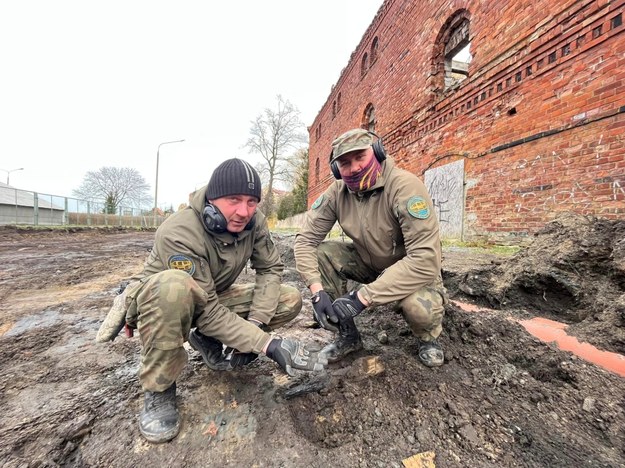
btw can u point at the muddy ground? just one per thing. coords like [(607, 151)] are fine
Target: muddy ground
[(502, 399)]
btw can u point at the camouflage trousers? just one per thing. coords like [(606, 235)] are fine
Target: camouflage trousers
[(423, 310), (165, 306)]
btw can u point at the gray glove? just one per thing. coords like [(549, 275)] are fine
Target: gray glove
[(292, 355)]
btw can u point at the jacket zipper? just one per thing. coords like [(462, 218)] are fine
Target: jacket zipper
[(361, 210)]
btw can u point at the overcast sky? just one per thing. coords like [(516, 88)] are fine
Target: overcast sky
[(87, 84)]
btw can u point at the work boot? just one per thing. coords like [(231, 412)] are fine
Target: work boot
[(348, 341), (430, 353), (210, 349), (159, 421)]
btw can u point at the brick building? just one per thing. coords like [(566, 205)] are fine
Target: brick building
[(510, 111)]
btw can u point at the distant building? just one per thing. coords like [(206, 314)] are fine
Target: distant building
[(18, 207), (510, 111)]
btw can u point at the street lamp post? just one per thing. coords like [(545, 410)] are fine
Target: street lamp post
[(9, 172), (156, 184)]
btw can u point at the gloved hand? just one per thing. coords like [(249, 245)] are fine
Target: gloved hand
[(239, 359), (348, 306), (292, 355), (323, 313)]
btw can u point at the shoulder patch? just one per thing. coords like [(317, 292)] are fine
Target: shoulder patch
[(317, 203), (181, 262), (418, 208)]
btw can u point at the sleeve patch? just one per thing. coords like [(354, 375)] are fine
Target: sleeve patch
[(181, 262), (317, 203), (418, 208)]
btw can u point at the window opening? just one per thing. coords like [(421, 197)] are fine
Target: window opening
[(452, 52), (457, 66), (369, 118), (374, 49), (566, 49), (364, 65), (551, 57), (596, 32)]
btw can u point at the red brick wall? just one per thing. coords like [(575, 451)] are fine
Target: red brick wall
[(540, 121)]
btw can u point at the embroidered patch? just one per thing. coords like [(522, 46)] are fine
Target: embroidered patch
[(418, 208), (317, 203), (181, 262)]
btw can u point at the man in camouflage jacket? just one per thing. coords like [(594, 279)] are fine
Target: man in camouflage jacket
[(188, 281), (395, 253)]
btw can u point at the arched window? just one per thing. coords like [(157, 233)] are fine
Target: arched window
[(318, 132), (368, 118), (364, 65), (317, 171), (374, 49), (452, 54)]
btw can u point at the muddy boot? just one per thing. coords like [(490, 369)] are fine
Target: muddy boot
[(348, 341), (431, 354), (210, 349), (159, 421)]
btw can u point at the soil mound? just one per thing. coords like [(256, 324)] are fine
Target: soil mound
[(573, 271)]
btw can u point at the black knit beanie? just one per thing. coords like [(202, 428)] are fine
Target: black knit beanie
[(233, 177)]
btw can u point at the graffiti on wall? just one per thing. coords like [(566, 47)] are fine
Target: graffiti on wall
[(446, 187)]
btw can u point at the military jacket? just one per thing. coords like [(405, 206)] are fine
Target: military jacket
[(394, 229), (216, 260)]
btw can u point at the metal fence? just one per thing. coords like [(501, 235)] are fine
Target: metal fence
[(24, 207)]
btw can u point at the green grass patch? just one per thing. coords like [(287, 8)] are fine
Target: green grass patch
[(333, 234), (485, 247)]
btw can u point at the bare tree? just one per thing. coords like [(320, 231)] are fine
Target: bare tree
[(115, 186), (274, 135), (296, 201)]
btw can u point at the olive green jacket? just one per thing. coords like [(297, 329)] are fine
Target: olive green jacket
[(215, 261), (393, 226)]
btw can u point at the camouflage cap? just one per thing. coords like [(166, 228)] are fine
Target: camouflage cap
[(352, 140)]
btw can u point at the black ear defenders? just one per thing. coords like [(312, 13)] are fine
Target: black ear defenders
[(215, 222), (378, 151)]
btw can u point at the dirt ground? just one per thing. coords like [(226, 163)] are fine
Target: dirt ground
[(502, 399)]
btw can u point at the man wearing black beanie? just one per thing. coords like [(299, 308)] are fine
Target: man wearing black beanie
[(187, 291)]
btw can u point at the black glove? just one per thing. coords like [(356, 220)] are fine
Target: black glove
[(292, 355), (348, 306), (239, 359), (323, 311)]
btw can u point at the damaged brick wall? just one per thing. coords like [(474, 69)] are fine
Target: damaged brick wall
[(538, 119)]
